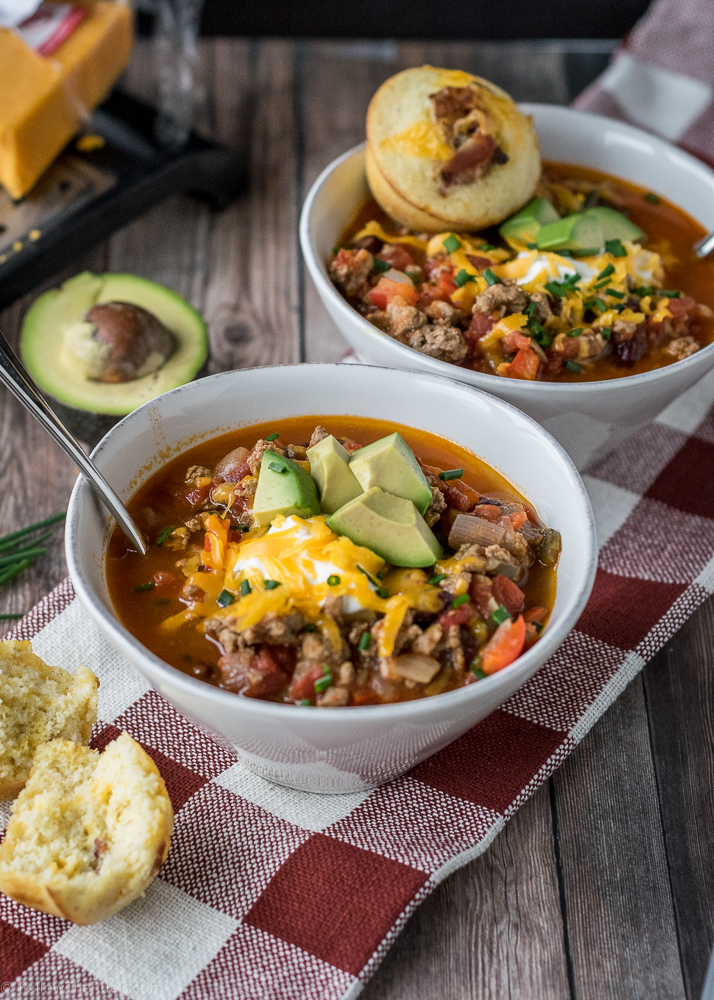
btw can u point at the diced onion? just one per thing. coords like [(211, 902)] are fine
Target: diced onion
[(416, 667), (395, 275), (470, 530)]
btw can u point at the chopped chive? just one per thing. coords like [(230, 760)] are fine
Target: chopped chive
[(452, 243), (491, 278), (652, 198), (273, 437), (463, 276), (458, 601), (416, 280), (500, 615), (575, 332), (600, 284), (276, 468), (477, 672), (368, 575), (162, 601), (365, 641), (451, 474), (615, 294), (380, 266), (615, 247), (141, 587), (8, 617), (7, 540), (245, 588), (271, 584), (532, 246), (322, 683), (383, 593), (593, 303), (224, 599), (530, 309), (573, 366), (538, 627), (310, 627), (325, 669), (333, 581), (436, 580), (305, 702), (164, 534), (644, 290), (606, 332), (606, 272), (673, 293), (486, 246)]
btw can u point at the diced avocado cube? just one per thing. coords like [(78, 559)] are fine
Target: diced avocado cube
[(525, 225), (283, 488), (390, 464), (579, 231), (388, 525), (615, 226), (330, 468)]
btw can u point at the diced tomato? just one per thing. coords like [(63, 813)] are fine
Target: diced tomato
[(284, 656), (488, 511), (518, 519), (504, 646), (198, 495), (164, 582), (386, 290), (554, 366), (457, 499), (396, 255), (456, 616), (508, 594), (304, 686), (536, 615), (480, 325), (515, 341), (524, 366), (351, 446), (271, 675), (481, 263), (480, 593), (681, 306), (235, 475)]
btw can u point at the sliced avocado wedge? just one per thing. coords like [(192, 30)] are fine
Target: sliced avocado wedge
[(526, 224), (388, 525), (283, 488), (390, 464), (53, 364), (615, 226), (579, 231), (329, 467)]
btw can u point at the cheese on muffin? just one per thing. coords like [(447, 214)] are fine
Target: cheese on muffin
[(38, 703), (89, 831), (448, 150)]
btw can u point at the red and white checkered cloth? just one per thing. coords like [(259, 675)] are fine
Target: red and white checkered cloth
[(274, 894), (661, 77)]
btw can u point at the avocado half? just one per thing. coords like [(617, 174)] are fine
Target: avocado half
[(41, 346)]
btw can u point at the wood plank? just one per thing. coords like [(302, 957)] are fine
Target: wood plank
[(618, 902), (491, 930), (679, 687)]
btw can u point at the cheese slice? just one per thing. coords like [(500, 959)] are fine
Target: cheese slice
[(42, 99)]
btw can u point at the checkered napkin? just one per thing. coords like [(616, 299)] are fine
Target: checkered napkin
[(274, 894), (662, 76)]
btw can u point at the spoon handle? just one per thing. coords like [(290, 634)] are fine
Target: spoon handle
[(704, 246), (14, 376)]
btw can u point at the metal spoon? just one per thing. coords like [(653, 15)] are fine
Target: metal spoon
[(704, 246), (14, 376)]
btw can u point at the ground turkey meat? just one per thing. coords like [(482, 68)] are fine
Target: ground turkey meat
[(591, 345), (256, 455), (319, 434), (507, 296), (403, 317), (350, 270), (443, 313), (682, 347), (445, 343)]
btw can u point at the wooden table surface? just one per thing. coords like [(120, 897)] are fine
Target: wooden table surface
[(600, 887)]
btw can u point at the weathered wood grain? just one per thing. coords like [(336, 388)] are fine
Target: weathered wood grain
[(492, 930), (618, 901), (679, 690)]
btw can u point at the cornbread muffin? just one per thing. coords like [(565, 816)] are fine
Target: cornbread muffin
[(89, 831), (38, 703), (448, 150)]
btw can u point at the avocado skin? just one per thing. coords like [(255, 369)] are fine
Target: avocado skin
[(329, 467), (41, 347), (292, 491), (388, 525), (389, 463)]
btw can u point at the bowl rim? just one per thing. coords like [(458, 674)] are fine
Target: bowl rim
[(484, 380), (550, 642)]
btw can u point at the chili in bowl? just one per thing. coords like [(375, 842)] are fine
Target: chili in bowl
[(337, 595)]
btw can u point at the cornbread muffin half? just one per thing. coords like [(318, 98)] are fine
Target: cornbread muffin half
[(38, 703), (89, 831), (448, 150)]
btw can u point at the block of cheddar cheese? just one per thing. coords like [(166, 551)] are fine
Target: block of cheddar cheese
[(42, 98)]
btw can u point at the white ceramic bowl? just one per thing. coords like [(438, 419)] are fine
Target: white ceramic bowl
[(342, 749), (588, 418)]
